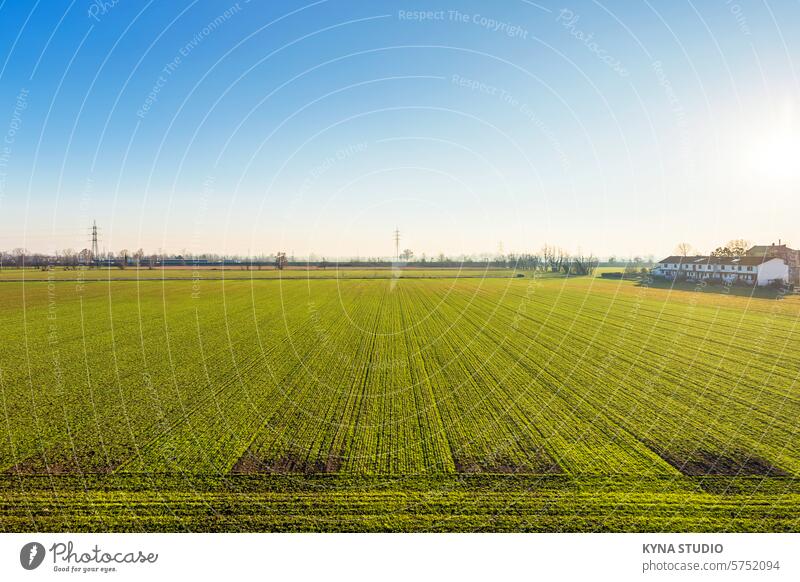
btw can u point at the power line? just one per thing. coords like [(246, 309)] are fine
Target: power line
[(95, 250)]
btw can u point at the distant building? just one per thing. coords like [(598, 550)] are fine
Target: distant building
[(747, 270), (790, 256)]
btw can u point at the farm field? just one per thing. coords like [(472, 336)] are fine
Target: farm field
[(410, 404)]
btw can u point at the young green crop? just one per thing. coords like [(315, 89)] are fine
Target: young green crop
[(521, 381)]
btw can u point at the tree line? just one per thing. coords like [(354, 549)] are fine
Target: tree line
[(733, 248), (554, 259), (550, 258)]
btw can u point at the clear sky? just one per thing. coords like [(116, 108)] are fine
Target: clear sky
[(318, 127)]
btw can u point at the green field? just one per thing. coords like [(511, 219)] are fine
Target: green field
[(432, 403)]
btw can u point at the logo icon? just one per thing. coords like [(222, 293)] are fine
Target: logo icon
[(31, 555)]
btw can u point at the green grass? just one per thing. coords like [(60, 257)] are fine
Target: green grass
[(543, 404), (470, 503)]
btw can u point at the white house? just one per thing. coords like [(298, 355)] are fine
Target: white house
[(747, 270), (780, 251)]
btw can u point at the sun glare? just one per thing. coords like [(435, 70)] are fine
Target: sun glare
[(777, 156)]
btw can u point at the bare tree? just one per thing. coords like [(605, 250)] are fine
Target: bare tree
[(684, 249), (739, 246), (19, 255), (528, 262), (563, 261), (549, 257), (583, 265), (70, 258), (722, 252)]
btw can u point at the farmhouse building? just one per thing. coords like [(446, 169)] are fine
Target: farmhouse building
[(790, 256), (747, 270)]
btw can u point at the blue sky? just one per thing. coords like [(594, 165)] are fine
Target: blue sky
[(317, 127)]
